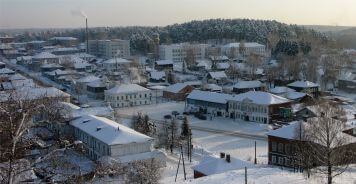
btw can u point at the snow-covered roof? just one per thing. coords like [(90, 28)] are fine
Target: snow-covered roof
[(293, 95), (303, 84), (287, 132), (208, 96), (157, 87), (63, 49), (218, 58), (164, 62), (292, 130), (222, 65), (280, 90), (213, 165), (126, 88), (63, 38), (175, 88), (17, 77), (84, 55), (87, 79), (260, 97), (81, 65), (247, 84), (6, 71), (247, 44), (108, 131), (157, 75), (116, 61), (29, 93), (218, 75), (213, 87), (44, 55)]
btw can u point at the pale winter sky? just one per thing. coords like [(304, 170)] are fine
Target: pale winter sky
[(59, 13)]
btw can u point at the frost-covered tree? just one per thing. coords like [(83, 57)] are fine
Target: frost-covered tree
[(144, 172), (321, 148), (17, 114), (142, 123)]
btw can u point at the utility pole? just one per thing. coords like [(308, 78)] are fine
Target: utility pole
[(190, 146), (181, 150), (255, 154), (245, 175), (180, 156)]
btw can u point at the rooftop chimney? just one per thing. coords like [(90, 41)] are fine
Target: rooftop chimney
[(98, 128), (228, 160), (222, 155)]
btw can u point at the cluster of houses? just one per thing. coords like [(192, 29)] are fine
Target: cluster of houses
[(107, 72)]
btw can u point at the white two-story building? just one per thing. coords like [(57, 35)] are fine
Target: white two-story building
[(128, 95)]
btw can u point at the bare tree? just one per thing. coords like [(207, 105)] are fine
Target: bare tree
[(190, 57), (254, 61), (322, 145), (242, 48), (272, 40), (17, 112)]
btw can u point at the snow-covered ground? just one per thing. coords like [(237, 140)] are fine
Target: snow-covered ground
[(157, 111), (271, 175)]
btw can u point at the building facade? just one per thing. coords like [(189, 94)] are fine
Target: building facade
[(178, 52), (257, 106), (110, 48), (128, 95)]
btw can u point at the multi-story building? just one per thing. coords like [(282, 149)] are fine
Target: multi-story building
[(249, 47), (178, 52), (128, 95), (257, 106), (110, 48)]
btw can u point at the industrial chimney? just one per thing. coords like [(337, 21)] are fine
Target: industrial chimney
[(87, 34)]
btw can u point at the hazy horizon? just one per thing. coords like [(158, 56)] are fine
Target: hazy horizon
[(27, 14)]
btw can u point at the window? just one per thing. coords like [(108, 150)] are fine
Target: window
[(287, 149), (274, 146), (274, 159), (280, 147), (145, 95), (122, 97), (287, 162), (281, 161)]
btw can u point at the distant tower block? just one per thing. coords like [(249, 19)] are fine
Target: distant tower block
[(156, 45)]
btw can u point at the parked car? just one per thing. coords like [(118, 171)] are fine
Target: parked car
[(200, 116), (167, 116), (180, 117)]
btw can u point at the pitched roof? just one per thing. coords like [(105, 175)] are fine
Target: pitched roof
[(164, 62), (29, 93), (218, 75), (221, 98), (44, 55), (108, 131), (280, 89), (247, 84), (157, 75), (213, 165), (303, 84), (117, 61), (126, 88), (89, 78), (175, 88), (259, 97)]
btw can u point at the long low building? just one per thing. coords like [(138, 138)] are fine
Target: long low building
[(257, 106), (207, 102), (104, 137), (253, 106)]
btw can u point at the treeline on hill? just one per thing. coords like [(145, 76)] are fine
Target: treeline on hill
[(194, 31)]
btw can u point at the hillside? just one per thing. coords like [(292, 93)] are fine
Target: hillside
[(199, 31)]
